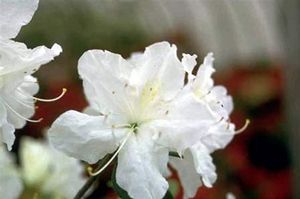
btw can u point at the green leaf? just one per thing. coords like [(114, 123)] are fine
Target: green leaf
[(121, 192), (175, 154), (168, 195)]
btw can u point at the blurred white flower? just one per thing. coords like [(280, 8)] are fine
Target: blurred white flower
[(230, 196), (48, 171), (140, 110), (17, 63), (10, 182)]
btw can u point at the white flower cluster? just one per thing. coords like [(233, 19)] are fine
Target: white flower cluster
[(141, 110), (17, 63), (145, 113)]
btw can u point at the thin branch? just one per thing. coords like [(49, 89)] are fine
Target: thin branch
[(92, 179)]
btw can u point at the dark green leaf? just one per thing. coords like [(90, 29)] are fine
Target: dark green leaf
[(174, 154), (168, 195)]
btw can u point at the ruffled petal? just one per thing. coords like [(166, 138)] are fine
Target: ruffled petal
[(158, 65), (204, 81), (224, 105), (203, 164), (10, 181), (218, 136), (189, 62), (14, 15), (138, 171), (106, 81), (84, 137), (7, 135), (17, 59), (186, 121), (188, 176)]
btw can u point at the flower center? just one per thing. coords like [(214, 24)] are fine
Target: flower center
[(150, 93), (134, 126)]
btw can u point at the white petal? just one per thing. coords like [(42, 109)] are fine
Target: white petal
[(220, 93), (66, 177), (3, 114), (218, 136), (55, 173), (10, 182), (10, 185), (203, 164), (159, 64), (186, 122), (105, 79), (20, 100), (7, 135), (17, 58), (83, 136), (203, 81), (35, 160), (188, 176), (14, 14), (138, 169), (189, 62)]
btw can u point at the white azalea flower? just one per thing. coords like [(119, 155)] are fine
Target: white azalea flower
[(139, 109), (17, 63), (48, 171), (197, 160), (10, 182)]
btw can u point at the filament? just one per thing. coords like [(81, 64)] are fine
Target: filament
[(91, 173), (247, 122), (19, 115), (64, 90)]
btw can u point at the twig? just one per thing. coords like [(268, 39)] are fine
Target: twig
[(91, 179)]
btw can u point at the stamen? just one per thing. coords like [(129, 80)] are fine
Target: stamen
[(64, 90), (21, 116), (120, 126), (247, 122), (91, 173)]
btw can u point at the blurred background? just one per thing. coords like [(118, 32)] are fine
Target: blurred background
[(255, 43)]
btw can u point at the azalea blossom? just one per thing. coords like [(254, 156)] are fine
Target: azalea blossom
[(197, 168), (10, 182), (49, 172), (140, 110), (17, 63)]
